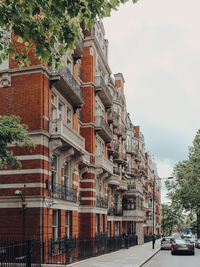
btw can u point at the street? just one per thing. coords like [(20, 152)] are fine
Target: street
[(165, 259)]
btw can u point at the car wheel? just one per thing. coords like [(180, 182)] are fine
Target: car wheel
[(192, 253), (172, 252)]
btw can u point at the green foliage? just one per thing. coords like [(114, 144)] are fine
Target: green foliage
[(172, 218), (12, 132), (185, 190), (49, 27)]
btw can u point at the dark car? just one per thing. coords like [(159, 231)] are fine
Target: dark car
[(182, 246), (166, 242), (197, 243)]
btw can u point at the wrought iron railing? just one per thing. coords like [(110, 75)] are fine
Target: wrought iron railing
[(71, 81), (115, 211), (147, 238), (63, 192), (113, 114), (100, 122), (101, 202), (99, 82)]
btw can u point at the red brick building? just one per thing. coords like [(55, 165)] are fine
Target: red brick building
[(88, 173)]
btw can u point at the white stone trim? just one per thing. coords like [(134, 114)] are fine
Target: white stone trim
[(89, 209), (30, 157), (114, 218), (87, 189), (24, 171), (88, 181), (76, 183), (22, 185), (88, 198)]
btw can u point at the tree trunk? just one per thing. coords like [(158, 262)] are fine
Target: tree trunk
[(198, 225)]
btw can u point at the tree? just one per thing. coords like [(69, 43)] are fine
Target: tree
[(12, 132), (185, 190), (172, 218), (48, 27)]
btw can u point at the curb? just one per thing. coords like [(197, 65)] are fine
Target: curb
[(148, 259)]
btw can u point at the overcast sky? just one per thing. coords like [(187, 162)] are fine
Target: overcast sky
[(156, 45)]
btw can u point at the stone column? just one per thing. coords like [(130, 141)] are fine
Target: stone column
[(140, 233)]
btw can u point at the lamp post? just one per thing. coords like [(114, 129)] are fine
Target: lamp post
[(153, 230)]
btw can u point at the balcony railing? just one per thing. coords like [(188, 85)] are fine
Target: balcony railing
[(60, 129), (121, 158), (123, 185), (103, 91), (129, 206), (113, 148), (115, 211), (103, 128), (102, 162), (131, 171), (65, 82), (113, 115), (101, 202), (117, 98), (63, 192)]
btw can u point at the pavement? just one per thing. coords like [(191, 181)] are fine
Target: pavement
[(133, 257)]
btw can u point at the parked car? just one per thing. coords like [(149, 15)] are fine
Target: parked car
[(166, 242), (197, 243), (182, 246)]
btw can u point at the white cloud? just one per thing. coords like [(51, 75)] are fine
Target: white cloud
[(155, 44)]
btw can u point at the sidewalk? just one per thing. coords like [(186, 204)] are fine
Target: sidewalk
[(132, 257)]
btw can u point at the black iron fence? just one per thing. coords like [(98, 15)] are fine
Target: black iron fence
[(23, 254), (33, 253), (147, 238)]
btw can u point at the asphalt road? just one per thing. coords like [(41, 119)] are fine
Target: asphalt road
[(165, 259)]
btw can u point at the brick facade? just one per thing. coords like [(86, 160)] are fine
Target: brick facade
[(88, 172)]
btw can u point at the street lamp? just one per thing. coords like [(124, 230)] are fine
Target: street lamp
[(154, 180)]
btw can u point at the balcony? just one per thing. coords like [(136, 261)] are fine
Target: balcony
[(112, 116), (136, 213), (121, 159), (117, 98), (79, 49), (115, 211), (63, 192), (103, 92), (60, 129), (101, 202), (123, 186), (130, 150), (134, 189), (118, 131), (114, 180), (103, 129), (129, 206), (131, 171), (64, 81), (103, 163), (123, 133), (113, 148), (85, 159)]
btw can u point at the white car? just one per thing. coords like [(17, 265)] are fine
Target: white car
[(166, 242)]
